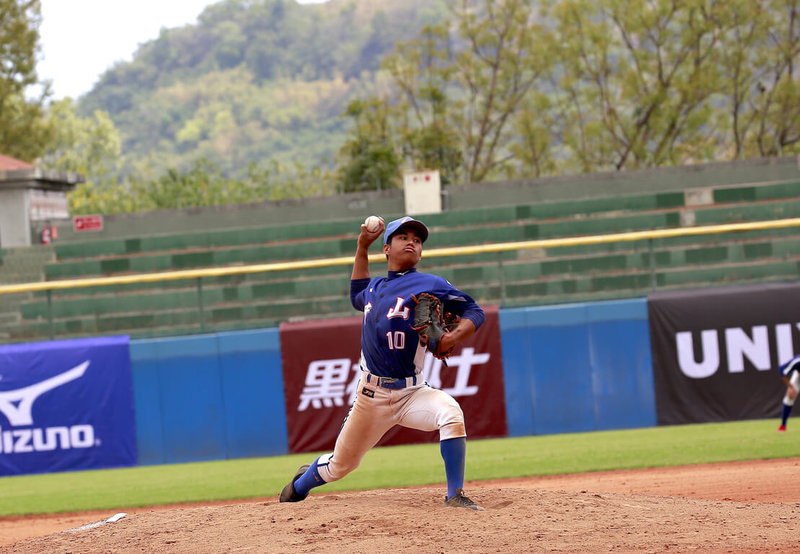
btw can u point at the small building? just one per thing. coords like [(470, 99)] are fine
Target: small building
[(30, 198)]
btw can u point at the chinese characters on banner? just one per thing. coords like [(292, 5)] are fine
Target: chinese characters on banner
[(320, 372)]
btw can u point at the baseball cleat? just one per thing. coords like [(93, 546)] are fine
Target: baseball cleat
[(288, 494), (782, 428), (460, 500)]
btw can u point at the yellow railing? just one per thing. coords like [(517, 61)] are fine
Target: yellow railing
[(199, 274), (432, 253)]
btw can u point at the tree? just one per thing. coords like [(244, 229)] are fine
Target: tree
[(369, 158), (463, 82), (423, 116), (743, 29), (88, 146), (23, 131), (777, 106), (758, 49), (533, 147), (593, 85), (636, 78)]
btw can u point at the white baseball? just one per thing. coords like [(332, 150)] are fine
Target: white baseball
[(372, 223)]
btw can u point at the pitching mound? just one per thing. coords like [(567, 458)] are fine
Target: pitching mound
[(739, 507)]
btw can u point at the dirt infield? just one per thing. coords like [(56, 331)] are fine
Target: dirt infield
[(734, 507)]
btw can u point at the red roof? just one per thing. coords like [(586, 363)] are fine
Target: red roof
[(10, 164)]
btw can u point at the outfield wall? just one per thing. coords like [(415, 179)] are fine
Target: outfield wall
[(676, 357), (579, 367), (208, 397), (568, 368), (684, 356)]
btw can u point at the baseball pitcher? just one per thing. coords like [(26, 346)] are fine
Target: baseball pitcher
[(406, 313)]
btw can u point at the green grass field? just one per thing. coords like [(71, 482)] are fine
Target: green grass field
[(399, 466)]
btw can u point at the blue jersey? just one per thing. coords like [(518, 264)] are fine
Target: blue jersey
[(389, 346), (787, 368)]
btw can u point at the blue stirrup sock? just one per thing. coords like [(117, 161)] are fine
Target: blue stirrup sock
[(786, 411), (309, 479), (454, 454)]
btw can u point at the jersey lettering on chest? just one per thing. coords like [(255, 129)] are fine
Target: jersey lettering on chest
[(397, 310)]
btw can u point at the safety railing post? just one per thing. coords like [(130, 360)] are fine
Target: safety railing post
[(501, 273), (200, 309), (50, 314), (652, 257)]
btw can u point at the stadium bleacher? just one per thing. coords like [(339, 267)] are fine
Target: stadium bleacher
[(513, 278), (19, 265)]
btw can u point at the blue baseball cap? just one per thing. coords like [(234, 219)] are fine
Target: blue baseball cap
[(406, 221)]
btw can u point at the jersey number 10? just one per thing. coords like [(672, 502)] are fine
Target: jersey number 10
[(396, 339)]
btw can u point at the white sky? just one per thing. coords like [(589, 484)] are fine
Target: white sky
[(80, 39)]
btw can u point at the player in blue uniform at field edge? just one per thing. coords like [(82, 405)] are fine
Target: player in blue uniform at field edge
[(790, 373), (391, 390)]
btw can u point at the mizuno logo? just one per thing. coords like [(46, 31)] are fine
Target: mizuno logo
[(17, 405)]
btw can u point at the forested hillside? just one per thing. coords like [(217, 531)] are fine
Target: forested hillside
[(253, 81), (267, 99)]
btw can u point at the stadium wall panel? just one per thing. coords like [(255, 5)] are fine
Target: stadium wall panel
[(208, 397), (568, 368), (577, 367)]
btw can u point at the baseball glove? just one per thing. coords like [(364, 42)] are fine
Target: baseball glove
[(431, 322)]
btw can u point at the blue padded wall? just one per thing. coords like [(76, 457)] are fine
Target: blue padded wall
[(577, 367), (208, 397)]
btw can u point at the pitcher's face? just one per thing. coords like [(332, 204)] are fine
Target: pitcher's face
[(404, 250)]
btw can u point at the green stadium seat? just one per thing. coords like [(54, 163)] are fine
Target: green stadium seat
[(513, 278)]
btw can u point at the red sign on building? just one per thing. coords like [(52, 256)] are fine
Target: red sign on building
[(319, 382), (87, 223)]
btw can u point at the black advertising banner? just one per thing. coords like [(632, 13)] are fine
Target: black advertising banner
[(320, 371), (716, 351)]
